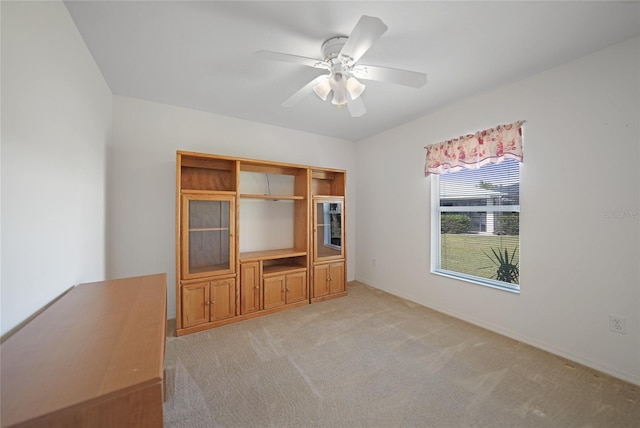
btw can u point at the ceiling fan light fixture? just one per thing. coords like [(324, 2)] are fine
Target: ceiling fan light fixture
[(354, 87), (340, 57), (322, 89)]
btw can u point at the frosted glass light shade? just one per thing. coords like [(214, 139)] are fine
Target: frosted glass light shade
[(322, 89), (355, 88), (338, 84), (339, 98)]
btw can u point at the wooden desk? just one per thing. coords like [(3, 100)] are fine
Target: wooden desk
[(93, 359)]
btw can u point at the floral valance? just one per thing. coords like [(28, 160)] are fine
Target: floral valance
[(475, 150)]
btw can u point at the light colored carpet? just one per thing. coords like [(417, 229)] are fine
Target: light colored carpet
[(374, 360)]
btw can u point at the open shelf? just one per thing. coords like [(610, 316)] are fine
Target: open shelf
[(254, 256), (279, 269), (207, 174), (327, 182), (273, 197)]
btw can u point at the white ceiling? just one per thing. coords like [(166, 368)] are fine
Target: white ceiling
[(199, 54)]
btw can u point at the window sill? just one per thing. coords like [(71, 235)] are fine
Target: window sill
[(478, 281)]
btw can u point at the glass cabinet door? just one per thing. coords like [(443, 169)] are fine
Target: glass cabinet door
[(208, 232), (328, 231)]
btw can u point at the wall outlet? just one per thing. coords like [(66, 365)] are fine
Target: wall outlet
[(373, 262), (617, 324)]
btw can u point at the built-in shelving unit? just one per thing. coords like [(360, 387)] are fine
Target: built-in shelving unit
[(249, 238), (328, 234)]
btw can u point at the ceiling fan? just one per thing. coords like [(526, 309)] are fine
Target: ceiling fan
[(340, 57)]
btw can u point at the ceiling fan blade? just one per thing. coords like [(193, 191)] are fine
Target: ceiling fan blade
[(366, 32), (356, 107), (304, 91), (296, 59), (392, 75)]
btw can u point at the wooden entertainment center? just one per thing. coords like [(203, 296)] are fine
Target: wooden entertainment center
[(255, 237)]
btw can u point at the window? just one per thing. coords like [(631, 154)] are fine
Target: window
[(476, 224), (476, 206)]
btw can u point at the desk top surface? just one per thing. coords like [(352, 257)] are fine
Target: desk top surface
[(98, 340)]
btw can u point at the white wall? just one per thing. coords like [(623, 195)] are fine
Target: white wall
[(56, 123), (579, 263), (141, 188), (580, 222)]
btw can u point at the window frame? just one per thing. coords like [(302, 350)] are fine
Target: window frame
[(436, 236)]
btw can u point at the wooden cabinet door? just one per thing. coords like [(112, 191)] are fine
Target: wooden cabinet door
[(249, 287), (195, 304), (336, 277), (207, 244), (320, 280), (296, 286), (274, 291), (328, 228), (223, 299)]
